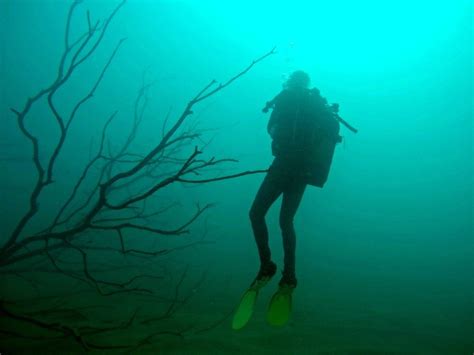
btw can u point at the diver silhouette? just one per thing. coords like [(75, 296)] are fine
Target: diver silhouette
[(304, 132)]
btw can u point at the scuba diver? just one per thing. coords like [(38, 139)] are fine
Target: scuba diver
[(299, 117), (305, 130)]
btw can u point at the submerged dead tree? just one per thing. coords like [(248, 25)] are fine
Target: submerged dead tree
[(113, 205)]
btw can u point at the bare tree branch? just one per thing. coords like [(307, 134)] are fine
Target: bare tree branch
[(112, 203)]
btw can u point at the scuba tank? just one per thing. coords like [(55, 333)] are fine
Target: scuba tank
[(305, 132), (321, 152)]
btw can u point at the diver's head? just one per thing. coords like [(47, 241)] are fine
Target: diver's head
[(298, 80)]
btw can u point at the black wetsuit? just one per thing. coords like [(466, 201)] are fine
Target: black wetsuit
[(293, 128)]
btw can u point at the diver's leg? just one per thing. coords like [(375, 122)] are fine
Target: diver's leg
[(268, 192), (292, 196)]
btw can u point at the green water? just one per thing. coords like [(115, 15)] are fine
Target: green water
[(384, 251)]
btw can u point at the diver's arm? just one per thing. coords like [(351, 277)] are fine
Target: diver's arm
[(268, 106), (271, 104), (272, 123)]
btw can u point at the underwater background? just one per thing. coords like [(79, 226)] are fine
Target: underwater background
[(385, 251)]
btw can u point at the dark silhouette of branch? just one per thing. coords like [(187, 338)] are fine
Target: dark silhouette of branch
[(222, 177), (109, 199), (201, 95), (61, 79)]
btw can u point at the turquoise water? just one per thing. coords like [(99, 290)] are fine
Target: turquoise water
[(384, 251)]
